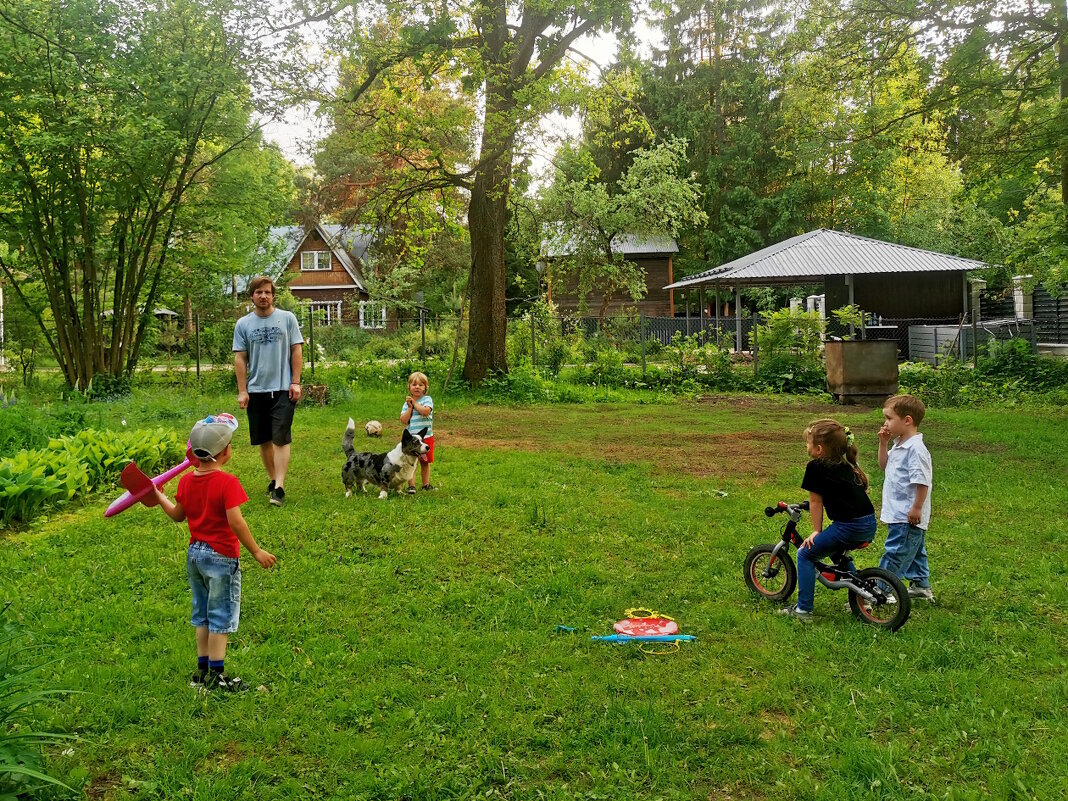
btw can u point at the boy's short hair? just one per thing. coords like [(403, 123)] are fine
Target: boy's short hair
[(906, 406), (259, 281), (421, 376)]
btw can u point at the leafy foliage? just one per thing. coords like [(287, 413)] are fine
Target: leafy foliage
[(1008, 374), (110, 117), (74, 465), (590, 218)]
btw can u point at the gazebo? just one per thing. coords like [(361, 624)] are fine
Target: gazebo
[(882, 278)]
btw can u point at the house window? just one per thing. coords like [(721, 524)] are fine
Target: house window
[(314, 261), (372, 315), (326, 312)]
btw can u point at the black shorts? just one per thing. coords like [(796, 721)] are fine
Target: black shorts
[(270, 417)]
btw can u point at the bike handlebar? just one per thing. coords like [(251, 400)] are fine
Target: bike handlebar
[(782, 506)]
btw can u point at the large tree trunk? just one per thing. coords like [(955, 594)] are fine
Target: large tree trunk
[(487, 218)]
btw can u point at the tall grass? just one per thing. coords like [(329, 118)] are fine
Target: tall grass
[(22, 766)]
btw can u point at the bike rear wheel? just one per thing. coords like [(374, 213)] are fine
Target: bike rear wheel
[(777, 581), (892, 606)]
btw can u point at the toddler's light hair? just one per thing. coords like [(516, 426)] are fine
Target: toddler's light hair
[(421, 377)]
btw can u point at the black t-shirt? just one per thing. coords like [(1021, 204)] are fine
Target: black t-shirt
[(843, 496)]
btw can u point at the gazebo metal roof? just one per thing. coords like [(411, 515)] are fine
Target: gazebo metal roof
[(812, 256)]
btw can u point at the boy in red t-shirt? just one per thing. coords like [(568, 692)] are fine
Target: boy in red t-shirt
[(210, 499)]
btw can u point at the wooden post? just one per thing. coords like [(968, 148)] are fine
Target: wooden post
[(701, 314), (688, 313), (641, 335), (737, 318), (717, 315), (196, 324), (852, 300), (756, 348), (311, 337)]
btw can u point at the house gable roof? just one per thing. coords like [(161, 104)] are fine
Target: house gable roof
[(348, 243), (822, 253)]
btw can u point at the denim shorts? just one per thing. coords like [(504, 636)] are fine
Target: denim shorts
[(216, 584)]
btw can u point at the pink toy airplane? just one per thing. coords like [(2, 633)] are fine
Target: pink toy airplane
[(140, 487)]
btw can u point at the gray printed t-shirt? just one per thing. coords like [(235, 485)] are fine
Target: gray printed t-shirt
[(267, 341)]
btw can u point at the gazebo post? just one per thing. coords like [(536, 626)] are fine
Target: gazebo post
[(738, 318), (717, 314), (849, 283), (701, 316)]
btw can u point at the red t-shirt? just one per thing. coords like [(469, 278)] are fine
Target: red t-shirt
[(204, 500)]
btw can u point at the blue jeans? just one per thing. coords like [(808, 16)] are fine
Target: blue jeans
[(839, 536), (216, 584), (905, 553)]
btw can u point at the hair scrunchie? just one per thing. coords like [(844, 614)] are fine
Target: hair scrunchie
[(849, 435)]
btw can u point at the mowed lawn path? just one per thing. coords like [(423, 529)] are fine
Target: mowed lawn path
[(408, 648)]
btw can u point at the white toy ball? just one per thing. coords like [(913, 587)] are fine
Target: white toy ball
[(373, 428)]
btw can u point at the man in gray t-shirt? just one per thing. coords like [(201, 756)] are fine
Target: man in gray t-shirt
[(267, 359)]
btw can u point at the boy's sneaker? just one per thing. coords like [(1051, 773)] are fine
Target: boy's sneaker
[(922, 593), (198, 677), (800, 614), (270, 490), (224, 683), (278, 496)]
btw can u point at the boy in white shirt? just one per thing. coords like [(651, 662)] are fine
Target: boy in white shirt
[(906, 506)]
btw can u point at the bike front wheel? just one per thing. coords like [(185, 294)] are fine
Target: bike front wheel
[(892, 606), (775, 581)]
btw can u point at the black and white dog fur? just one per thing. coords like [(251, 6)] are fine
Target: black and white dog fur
[(387, 471)]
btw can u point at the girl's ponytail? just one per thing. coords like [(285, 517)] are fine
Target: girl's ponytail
[(852, 458), (838, 446)]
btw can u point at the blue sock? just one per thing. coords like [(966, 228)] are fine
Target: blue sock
[(202, 663), (216, 667)]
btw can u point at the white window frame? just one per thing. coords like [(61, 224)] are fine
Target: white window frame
[(318, 256), (372, 315), (331, 307)]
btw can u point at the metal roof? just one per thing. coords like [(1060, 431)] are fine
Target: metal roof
[(627, 244), (821, 253)]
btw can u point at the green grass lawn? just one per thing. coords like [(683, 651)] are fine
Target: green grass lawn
[(406, 648)]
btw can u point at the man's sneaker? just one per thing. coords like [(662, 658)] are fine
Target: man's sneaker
[(922, 593), (800, 614), (278, 496), (198, 677), (411, 490), (270, 489), (224, 683)]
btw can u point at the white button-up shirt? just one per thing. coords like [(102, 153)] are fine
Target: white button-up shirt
[(908, 464)]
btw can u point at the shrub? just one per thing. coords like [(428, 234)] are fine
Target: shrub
[(105, 453), (33, 480), (521, 384)]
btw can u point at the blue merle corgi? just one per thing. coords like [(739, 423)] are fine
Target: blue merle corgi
[(387, 471)]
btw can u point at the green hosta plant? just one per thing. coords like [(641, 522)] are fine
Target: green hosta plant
[(106, 453), (31, 481), (34, 480)]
